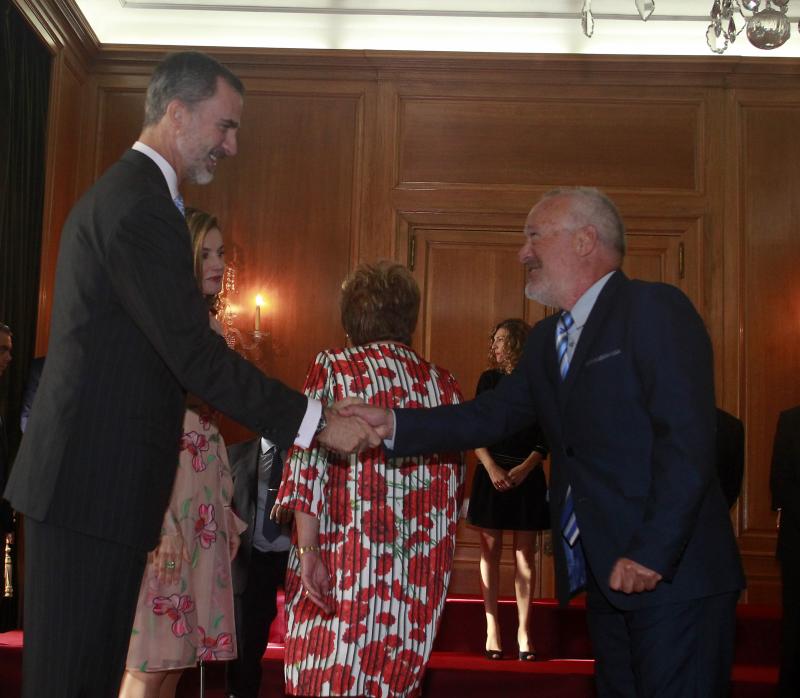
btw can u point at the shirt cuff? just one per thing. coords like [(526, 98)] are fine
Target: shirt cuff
[(388, 442), (308, 427)]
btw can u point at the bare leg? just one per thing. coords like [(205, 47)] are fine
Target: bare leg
[(491, 548), (170, 684), (142, 684), (525, 566)]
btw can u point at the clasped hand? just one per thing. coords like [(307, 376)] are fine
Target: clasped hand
[(347, 431)]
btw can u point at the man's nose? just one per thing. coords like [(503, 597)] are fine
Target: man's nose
[(230, 144)]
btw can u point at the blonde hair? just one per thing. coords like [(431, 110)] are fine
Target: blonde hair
[(199, 223)]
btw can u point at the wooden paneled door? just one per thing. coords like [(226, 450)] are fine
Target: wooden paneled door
[(470, 278)]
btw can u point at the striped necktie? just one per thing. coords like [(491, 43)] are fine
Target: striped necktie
[(565, 321), (178, 200)]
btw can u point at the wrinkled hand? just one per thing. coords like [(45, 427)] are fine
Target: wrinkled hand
[(518, 473), (630, 577), (315, 580), (281, 515), (500, 478), (347, 434), (168, 558), (379, 418)]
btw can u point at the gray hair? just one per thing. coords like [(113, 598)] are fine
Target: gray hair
[(5, 329), (188, 76), (591, 206)]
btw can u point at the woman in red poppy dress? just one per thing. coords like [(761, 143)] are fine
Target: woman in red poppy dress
[(185, 609), (377, 535)]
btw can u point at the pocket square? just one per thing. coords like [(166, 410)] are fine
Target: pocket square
[(602, 357)]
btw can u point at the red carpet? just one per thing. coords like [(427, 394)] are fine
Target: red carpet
[(458, 668)]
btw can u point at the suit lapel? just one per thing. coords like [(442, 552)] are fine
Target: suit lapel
[(594, 323)]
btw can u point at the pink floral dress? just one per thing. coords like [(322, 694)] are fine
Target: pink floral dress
[(387, 535), (177, 625)]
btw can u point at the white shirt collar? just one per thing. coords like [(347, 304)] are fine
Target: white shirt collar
[(266, 445), (166, 169), (580, 311)]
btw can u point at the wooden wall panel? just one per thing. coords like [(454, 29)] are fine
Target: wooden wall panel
[(770, 189), (599, 142), (68, 89)]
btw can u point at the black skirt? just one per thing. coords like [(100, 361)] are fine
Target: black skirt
[(523, 508)]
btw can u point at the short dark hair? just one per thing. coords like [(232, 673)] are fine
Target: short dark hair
[(5, 329), (517, 333), (199, 223), (189, 76), (380, 301)]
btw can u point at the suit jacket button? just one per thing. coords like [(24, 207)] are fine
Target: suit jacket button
[(569, 451)]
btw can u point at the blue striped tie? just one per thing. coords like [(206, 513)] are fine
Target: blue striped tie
[(576, 565), (562, 342), (178, 200)]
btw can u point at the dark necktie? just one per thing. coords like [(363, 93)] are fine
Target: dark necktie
[(270, 465)]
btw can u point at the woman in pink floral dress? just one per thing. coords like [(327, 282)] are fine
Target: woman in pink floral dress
[(378, 534), (185, 608)]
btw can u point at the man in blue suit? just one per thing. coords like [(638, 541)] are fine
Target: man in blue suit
[(621, 380)]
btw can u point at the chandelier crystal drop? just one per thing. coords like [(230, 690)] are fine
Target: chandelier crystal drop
[(764, 22)]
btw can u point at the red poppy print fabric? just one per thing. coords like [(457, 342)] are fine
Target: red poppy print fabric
[(387, 534), (177, 625)]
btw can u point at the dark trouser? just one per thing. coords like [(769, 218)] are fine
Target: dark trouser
[(256, 608), (789, 682), (677, 650), (80, 600)]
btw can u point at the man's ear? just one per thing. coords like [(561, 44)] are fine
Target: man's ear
[(586, 239), (176, 114)]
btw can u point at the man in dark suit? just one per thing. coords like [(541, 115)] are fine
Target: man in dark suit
[(129, 336), (622, 383), (260, 566), (729, 455), (785, 485)]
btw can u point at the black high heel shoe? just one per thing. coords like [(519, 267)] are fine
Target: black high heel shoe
[(494, 655), (527, 656)]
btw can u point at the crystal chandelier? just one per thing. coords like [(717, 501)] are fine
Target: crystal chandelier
[(644, 7), (764, 22)]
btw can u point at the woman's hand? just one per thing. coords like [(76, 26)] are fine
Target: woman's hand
[(518, 473), (315, 580), (168, 558), (499, 477), (281, 515)]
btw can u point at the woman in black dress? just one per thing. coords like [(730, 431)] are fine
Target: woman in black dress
[(509, 493)]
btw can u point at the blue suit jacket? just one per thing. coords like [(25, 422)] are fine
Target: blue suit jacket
[(631, 428)]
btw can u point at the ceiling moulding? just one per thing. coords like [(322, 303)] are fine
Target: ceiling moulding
[(676, 27), (60, 24), (513, 68)]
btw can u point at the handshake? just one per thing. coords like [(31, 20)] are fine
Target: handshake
[(353, 426)]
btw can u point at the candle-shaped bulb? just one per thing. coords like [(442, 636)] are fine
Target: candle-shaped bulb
[(259, 303)]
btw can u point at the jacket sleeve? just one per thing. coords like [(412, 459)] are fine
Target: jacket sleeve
[(148, 259), (674, 363)]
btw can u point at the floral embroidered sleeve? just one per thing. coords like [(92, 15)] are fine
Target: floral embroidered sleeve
[(306, 470)]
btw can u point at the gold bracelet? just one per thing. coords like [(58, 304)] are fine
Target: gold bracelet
[(303, 549)]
